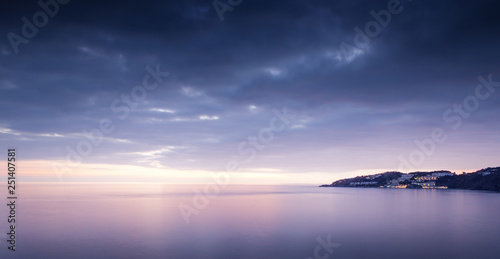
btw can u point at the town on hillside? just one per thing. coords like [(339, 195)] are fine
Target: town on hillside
[(484, 179)]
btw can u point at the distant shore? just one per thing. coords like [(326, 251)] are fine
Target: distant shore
[(487, 179)]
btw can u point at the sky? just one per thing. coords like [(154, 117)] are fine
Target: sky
[(279, 91)]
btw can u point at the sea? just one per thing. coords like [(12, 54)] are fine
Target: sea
[(160, 220)]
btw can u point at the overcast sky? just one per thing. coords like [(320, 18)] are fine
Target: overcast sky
[(354, 111)]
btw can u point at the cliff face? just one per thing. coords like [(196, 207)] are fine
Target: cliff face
[(486, 179)]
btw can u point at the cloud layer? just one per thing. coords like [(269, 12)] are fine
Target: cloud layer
[(225, 78)]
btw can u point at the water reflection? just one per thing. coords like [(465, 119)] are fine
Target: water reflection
[(143, 221)]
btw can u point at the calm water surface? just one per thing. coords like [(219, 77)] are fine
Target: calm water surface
[(144, 221)]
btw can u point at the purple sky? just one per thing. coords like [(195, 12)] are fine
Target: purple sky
[(354, 112)]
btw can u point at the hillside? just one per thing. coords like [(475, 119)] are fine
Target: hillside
[(485, 179)]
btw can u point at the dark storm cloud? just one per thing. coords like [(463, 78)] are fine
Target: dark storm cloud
[(265, 53)]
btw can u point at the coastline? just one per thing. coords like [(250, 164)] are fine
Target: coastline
[(487, 179)]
